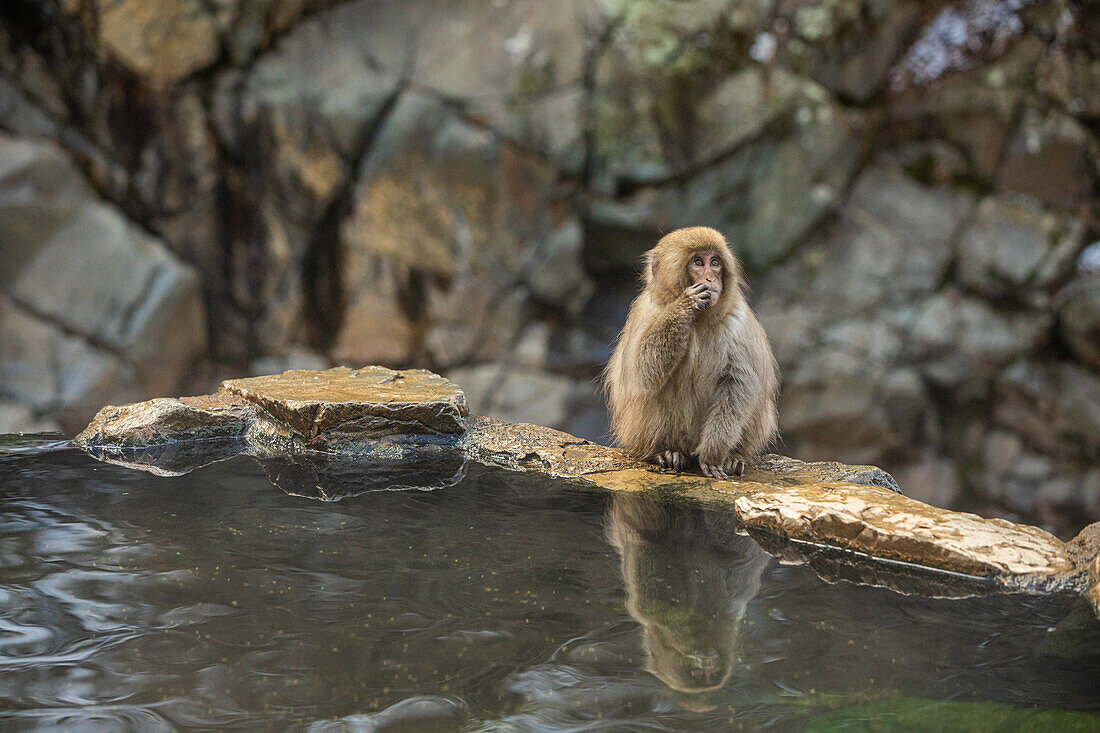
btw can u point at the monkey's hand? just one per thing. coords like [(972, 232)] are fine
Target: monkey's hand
[(735, 467), (699, 295)]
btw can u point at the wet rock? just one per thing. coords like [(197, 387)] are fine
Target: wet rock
[(1010, 249), (791, 472), (1079, 318), (367, 412), (898, 528), (167, 420), (834, 565), (342, 403), (1085, 550), (162, 40), (416, 423), (820, 507), (530, 447)]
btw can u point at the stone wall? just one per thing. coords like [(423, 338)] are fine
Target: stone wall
[(197, 188)]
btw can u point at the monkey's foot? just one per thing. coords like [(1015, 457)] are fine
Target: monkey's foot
[(737, 468), (674, 460)]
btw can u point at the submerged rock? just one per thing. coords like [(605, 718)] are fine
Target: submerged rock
[(338, 432)]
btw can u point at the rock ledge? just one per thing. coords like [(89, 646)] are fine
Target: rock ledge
[(381, 415)]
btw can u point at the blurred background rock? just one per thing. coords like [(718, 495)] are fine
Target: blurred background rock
[(193, 189)]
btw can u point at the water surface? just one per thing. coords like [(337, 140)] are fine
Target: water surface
[(215, 599)]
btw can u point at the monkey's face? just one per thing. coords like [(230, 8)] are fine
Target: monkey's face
[(705, 268)]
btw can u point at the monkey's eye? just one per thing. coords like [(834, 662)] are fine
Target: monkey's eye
[(698, 261), (715, 262)]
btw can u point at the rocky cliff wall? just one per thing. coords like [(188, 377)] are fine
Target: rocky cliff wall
[(191, 188)]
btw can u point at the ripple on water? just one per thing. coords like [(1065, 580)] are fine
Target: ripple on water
[(428, 713), (109, 719), (214, 600)]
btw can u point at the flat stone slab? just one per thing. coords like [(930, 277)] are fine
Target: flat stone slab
[(888, 525), (362, 403), (324, 410), (379, 419), (531, 447)]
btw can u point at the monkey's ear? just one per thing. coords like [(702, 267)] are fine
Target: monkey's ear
[(651, 263)]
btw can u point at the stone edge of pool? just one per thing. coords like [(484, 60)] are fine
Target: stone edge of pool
[(830, 506)]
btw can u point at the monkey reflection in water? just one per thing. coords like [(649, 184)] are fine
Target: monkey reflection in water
[(689, 577)]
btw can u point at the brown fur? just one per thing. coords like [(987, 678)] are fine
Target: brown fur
[(699, 382)]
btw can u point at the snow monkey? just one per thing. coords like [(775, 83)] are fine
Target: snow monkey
[(693, 377)]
